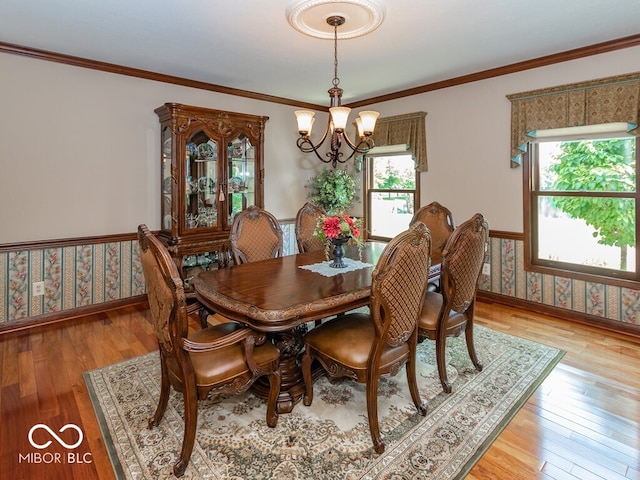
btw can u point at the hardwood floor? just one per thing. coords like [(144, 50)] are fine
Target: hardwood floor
[(582, 423)]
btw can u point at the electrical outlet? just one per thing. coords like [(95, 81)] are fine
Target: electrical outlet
[(38, 289), (486, 269)]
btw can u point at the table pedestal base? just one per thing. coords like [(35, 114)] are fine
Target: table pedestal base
[(290, 345)]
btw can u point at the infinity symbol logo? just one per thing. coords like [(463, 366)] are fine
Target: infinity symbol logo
[(53, 434)]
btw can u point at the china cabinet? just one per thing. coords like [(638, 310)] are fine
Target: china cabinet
[(211, 170)]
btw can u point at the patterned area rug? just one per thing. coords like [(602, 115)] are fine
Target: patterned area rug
[(330, 439)]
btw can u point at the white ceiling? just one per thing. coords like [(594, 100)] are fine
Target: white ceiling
[(249, 44)]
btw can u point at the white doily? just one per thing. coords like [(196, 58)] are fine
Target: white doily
[(325, 269)]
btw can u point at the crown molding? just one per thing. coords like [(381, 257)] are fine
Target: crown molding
[(595, 49), (590, 50)]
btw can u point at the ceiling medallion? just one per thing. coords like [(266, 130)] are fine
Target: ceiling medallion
[(310, 17)]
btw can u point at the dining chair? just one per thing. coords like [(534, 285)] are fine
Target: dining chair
[(306, 223), (439, 221), (450, 312), (226, 358), (366, 346), (255, 235)]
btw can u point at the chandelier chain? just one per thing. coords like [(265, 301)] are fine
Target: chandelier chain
[(336, 80)]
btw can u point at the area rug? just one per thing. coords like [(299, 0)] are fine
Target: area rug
[(330, 439)]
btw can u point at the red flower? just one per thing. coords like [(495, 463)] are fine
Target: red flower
[(331, 227), (339, 226)]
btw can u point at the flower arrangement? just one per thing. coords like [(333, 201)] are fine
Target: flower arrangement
[(331, 227), (339, 226)]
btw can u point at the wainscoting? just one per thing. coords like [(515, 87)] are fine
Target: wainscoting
[(74, 276), (77, 274), (509, 278), (90, 273)]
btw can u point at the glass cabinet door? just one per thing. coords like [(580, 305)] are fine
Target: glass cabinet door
[(241, 186), (202, 183), (167, 183)]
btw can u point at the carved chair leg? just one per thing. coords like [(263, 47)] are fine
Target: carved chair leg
[(165, 389), (190, 399), (275, 380), (441, 345), (204, 314), (306, 376), (195, 307), (372, 413), (468, 333), (413, 385)]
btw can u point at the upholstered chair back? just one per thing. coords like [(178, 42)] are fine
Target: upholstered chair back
[(306, 223), (255, 235), (165, 290), (398, 284), (462, 262), (439, 221)]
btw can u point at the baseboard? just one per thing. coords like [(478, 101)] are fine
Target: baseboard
[(562, 313), (484, 296), (51, 318)]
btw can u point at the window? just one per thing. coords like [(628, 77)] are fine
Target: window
[(390, 194), (582, 208)]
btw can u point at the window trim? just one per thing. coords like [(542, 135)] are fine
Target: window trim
[(564, 269), (366, 190)]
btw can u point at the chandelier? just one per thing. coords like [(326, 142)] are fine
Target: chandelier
[(338, 116)]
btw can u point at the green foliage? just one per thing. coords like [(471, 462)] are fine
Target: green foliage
[(394, 179), (598, 166), (333, 190)]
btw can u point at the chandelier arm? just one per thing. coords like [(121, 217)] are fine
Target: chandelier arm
[(365, 144), (348, 140), (353, 152), (356, 149), (306, 146)]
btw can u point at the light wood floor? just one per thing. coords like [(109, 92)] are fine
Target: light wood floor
[(581, 423)]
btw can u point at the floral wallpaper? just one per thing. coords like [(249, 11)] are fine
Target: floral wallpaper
[(83, 275), (600, 300), (73, 277)]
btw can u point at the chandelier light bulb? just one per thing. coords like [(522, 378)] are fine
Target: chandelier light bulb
[(305, 121), (368, 119), (359, 127), (339, 117)]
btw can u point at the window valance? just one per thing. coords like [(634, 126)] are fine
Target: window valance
[(606, 100), (408, 128)]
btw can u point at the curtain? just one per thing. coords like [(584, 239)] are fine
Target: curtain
[(408, 128), (606, 100)]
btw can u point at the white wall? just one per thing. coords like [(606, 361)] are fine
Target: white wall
[(468, 136), (79, 149)]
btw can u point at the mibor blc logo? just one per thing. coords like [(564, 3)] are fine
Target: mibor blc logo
[(65, 440)]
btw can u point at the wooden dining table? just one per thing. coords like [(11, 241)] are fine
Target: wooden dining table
[(278, 297)]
